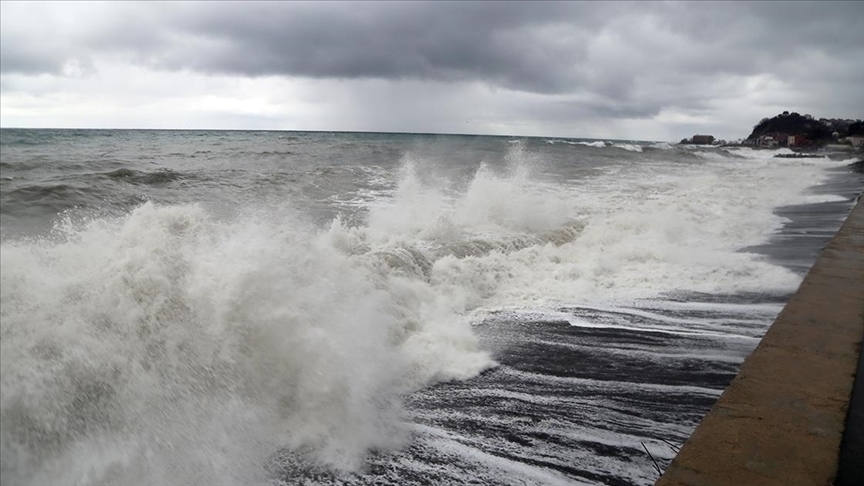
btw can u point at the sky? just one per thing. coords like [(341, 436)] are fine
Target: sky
[(638, 71)]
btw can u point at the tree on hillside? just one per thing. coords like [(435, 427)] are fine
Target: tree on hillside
[(856, 128), (792, 124)]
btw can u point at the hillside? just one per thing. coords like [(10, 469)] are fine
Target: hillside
[(787, 124), (806, 130)]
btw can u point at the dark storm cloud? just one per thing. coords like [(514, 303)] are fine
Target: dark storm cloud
[(615, 59), (532, 46), (513, 45)]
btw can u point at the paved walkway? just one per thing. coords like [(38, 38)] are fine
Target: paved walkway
[(851, 469), (781, 420)]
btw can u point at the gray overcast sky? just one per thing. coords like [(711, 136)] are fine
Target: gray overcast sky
[(650, 71)]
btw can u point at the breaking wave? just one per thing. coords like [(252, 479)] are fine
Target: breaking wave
[(131, 176), (170, 346)]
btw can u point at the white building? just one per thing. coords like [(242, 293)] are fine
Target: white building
[(856, 140)]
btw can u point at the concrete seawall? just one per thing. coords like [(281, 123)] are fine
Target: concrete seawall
[(781, 420)]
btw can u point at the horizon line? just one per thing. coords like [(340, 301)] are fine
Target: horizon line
[(335, 131)]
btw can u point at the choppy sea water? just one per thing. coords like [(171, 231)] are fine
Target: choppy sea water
[(208, 307)]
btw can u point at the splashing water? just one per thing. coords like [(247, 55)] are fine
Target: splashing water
[(171, 345)]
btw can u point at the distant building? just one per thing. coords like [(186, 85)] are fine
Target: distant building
[(767, 141), (702, 139), (795, 140), (856, 140)]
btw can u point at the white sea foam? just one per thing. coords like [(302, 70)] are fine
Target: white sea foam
[(495, 469), (822, 198), (662, 146), (597, 144), (631, 147), (193, 348)]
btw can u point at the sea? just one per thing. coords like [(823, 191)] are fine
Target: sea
[(279, 308)]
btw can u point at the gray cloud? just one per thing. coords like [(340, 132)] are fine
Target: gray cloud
[(512, 45), (610, 60)]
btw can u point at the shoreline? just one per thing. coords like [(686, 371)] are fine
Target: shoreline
[(810, 226), (782, 419)]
